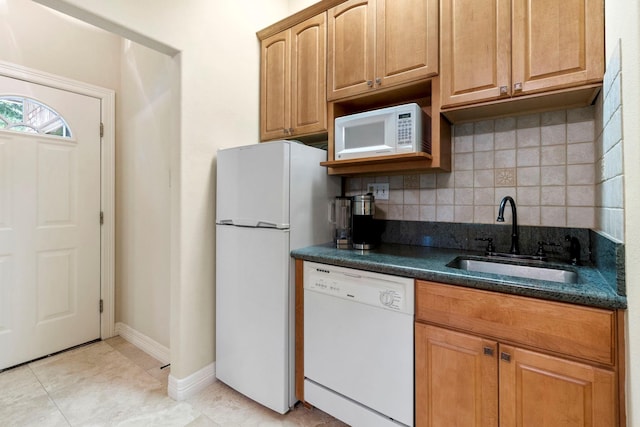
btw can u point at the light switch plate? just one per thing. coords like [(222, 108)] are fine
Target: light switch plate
[(379, 190)]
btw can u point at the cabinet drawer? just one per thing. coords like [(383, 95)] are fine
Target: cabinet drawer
[(577, 331)]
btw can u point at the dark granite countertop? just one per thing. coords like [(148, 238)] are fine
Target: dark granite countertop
[(430, 263)]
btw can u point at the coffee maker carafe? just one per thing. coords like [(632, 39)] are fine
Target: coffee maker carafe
[(340, 217), (364, 231)]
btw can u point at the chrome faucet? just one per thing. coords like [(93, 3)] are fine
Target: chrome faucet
[(514, 226)]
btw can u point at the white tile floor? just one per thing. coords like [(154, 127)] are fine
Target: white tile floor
[(113, 383)]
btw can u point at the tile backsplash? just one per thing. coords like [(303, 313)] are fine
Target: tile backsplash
[(609, 152), (545, 161)]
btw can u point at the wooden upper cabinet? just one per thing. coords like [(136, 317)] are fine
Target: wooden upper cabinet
[(407, 40), (380, 43), (557, 43), (275, 86), (308, 76), (493, 49), (350, 54), (475, 50), (547, 391), (292, 81)]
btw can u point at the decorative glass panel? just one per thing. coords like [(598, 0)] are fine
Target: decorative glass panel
[(28, 115)]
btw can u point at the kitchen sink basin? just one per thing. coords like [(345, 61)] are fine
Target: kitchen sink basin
[(536, 272)]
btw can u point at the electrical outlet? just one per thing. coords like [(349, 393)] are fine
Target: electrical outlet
[(379, 190)]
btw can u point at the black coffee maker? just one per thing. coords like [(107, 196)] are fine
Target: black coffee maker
[(364, 231)]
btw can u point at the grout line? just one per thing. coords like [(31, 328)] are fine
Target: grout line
[(51, 399)]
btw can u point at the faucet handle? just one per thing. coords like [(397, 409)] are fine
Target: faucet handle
[(490, 248), (541, 252)]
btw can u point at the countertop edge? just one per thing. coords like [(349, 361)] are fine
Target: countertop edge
[(594, 294)]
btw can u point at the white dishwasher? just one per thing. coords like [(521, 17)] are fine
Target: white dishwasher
[(358, 345)]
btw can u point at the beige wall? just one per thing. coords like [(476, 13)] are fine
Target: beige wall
[(37, 37), (146, 111), (622, 26), (298, 5), (219, 62)]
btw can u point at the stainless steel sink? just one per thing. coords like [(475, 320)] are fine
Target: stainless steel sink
[(536, 272)]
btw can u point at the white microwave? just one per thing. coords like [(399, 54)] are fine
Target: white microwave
[(393, 130)]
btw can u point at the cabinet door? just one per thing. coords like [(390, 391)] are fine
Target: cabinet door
[(275, 84), (545, 391), (406, 41), (456, 379), (351, 54), (557, 44), (475, 50), (308, 76)]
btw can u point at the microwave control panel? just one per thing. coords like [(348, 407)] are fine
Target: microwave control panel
[(405, 128)]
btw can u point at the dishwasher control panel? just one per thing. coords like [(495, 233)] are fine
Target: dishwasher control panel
[(376, 289)]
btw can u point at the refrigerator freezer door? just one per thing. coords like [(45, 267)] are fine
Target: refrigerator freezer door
[(253, 185), (253, 299)]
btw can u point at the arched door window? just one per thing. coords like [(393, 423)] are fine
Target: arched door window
[(27, 115)]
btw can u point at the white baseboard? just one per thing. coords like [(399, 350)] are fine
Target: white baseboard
[(178, 389), (143, 342), (181, 389)]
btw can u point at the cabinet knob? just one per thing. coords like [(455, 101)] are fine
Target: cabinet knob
[(505, 356), (517, 87), (487, 351), (378, 81), (369, 83), (504, 90)]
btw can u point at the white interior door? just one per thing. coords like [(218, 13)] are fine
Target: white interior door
[(49, 229)]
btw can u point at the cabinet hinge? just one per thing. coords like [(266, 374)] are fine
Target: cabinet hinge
[(101, 130), (101, 218), (101, 306)]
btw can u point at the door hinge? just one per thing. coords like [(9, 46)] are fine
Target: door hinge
[(101, 130), (101, 306), (101, 218)]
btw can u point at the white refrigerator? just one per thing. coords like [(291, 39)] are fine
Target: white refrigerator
[(271, 198)]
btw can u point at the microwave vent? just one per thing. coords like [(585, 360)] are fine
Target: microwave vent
[(426, 133)]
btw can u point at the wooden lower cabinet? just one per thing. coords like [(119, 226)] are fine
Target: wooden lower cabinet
[(545, 391), (465, 380), (456, 379), (487, 359)]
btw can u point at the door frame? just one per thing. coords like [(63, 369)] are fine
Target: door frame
[(107, 176)]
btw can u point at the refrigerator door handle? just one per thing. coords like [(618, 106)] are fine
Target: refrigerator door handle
[(226, 222), (266, 224)]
